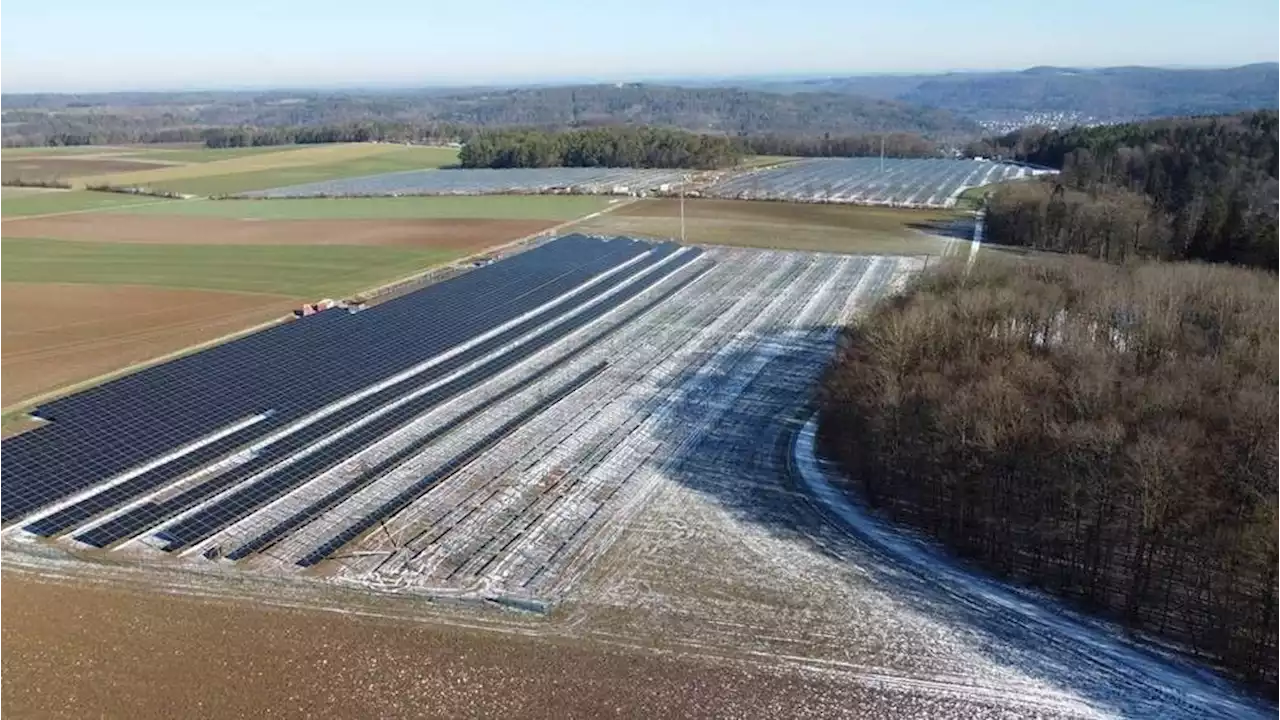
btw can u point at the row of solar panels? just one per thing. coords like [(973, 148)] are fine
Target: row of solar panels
[(470, 181), (925, 182), (283, 390)]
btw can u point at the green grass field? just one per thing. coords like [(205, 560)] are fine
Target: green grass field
[(298, 271), (481, 207), (397, 160), (61, 201)]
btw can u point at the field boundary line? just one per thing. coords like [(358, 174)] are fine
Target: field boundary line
[(16, 218), (31, 402), (369, 294)]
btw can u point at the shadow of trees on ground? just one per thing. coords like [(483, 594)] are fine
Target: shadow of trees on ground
[(744, 407)]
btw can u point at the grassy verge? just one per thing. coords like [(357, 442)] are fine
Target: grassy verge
[(299, 271), (973, 198)]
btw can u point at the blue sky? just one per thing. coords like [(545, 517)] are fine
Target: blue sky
[(69, 45)]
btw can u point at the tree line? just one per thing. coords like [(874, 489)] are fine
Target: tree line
[(1190, 188), (642, 147), (418, 133), (1103, 432)]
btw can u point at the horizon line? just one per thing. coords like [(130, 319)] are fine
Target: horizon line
[(374, 85)]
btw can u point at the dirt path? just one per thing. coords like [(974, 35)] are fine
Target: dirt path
[(84, 210)]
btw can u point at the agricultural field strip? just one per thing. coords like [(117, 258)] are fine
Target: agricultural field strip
[(352, 509), (247, 454), (932, 183), (455, 351), (475, 181)]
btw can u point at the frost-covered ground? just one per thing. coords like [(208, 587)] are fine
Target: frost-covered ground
[(672, 505), (748, 552)]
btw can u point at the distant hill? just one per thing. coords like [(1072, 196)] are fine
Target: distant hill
[(1106, 94), (720, 110), (133, 117)]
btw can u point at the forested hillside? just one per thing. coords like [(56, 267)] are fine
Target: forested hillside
[(1192, 188), (599, 147), (704, 109), (655, 147), (1106, 433), (155, 117)]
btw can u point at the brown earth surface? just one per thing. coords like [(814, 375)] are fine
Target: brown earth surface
[(812, 227), (830, 214), (49, 168), (78, 650), (464, 235), (55, 334)]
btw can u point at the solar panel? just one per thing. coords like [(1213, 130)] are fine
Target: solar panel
[(289, 370), (451, 466), (919, 182), (470, 181)]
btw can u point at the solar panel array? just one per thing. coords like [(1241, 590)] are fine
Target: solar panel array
[(481, 181), (276, 408), (931, 182)]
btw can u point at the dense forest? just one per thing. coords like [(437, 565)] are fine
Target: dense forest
[(1192, 188), (599, 147), (140, 117), (1103, 432), (419, 133)]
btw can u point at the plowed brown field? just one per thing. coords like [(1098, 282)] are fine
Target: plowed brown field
[(93, 651), (464, 235), (56, 334), (49, 168)]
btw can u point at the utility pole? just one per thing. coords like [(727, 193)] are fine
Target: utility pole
[(683, 180), (881, 152)]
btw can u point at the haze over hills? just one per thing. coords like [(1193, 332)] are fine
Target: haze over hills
[(941, 107), (124, 117), (1104, 93)]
